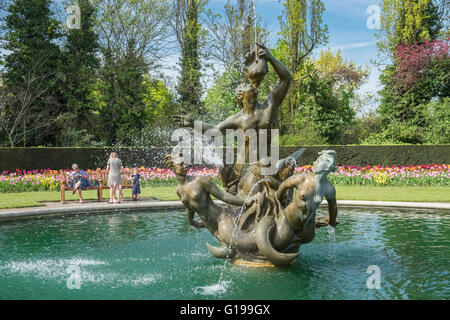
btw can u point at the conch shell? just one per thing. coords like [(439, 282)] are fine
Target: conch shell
[(255, 67)]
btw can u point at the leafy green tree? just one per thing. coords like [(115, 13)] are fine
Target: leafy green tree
[(131, 82), (327, 111), (123, 110), (406, 22), (108, 97), (326, 99), (133, 34), (81, 66), (189, 85), (159, 103), (437, 116), (418, 69), (220, 101), (30, 43), (302, 31)]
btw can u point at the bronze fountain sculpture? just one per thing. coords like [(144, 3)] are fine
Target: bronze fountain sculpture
[(263, 222)]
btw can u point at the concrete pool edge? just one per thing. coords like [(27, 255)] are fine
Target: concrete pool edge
[(87, 208), (72, 209)]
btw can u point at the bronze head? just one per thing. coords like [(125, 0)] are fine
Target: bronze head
[(286, 170), (246, 95), (326, 162), (176, 164)]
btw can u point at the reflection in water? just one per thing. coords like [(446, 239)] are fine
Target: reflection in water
[(157, 255)]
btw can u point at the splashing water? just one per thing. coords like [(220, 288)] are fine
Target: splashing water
[(232, 238), (255, 185), (214, 289), (236, 226), (242, 208), (331, 244)]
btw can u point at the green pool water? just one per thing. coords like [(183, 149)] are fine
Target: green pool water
[(151, 255)]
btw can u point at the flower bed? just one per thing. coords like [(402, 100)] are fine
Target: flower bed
[(422, 175)]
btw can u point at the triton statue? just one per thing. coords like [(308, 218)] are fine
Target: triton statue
[(265, 218)]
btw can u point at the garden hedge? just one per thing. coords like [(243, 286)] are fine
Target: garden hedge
[(61, 158)]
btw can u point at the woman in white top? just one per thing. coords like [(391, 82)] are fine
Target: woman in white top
[(114, 166)]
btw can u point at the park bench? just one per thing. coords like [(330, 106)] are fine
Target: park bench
[(99, 181)]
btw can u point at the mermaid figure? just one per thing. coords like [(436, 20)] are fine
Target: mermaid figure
[(195, 194)]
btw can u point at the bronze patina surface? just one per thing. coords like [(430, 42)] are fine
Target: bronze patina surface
[(267, 217)]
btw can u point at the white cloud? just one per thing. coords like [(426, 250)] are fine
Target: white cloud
[(354, 45)]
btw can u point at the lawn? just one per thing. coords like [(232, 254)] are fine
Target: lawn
[(403, 194), (34, 199), (368, 193)]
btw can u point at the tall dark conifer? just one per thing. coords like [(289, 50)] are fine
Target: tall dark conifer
[(81, 66), (32, 64), (189, 86), (131, 83), (123, 90)]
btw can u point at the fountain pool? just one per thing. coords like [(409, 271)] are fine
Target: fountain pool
[(150, 255)]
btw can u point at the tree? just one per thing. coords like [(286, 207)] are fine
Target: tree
[(220, 101), (80, 70), (418, 69), (146, 22), (131, 83), (159, 103), (189, 85), (326, 102), (122, 84), (407, 22), (419, 76), (18, 119), (302, 30), (413, 61), (437, 116), (133, 34), (107, 98), (231, 36), (30, 40)]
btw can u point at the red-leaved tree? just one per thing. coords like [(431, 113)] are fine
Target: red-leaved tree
[(413, 60)]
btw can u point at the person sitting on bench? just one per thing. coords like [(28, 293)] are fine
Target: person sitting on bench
[(78, 179)]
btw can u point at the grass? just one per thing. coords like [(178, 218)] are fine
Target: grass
[(402, 194), (413, 194), (35, 199)]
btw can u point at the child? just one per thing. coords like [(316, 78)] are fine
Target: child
[(136, 184)]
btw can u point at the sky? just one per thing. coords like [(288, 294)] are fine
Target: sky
[(347, 26)]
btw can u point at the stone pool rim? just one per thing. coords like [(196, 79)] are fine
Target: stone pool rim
[(87, 208)]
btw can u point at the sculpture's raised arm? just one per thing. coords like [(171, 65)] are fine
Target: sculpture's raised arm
[(281, 89), (289, 183), (187, 121), (219, 194)]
